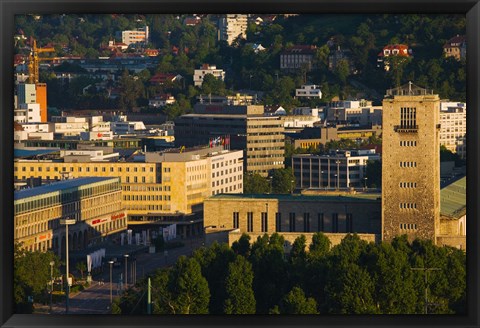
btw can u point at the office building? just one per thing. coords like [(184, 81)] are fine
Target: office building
[(339, 170), (135, 36), (94, 202), (260, 137)]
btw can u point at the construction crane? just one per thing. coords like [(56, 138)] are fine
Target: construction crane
[(34, 61)]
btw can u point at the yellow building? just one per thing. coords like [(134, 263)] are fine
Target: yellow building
[(411, 163), (174, 182), (95, 203)]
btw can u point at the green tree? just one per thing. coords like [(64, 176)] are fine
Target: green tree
[(32, 273), (320, 245), (242, 245), (295, 302), (254, 183), (374, 174), (283, 181), (212, 85), (270, 271), (131, 90), (215, 261), (240, 297), (181, 290), (82, 267)]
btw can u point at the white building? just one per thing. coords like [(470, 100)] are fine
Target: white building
[(135, 36), (338, 170), (161, 101), (453, 121), (127, 127), (200, 73), (302, 117), (227, 172), (309, 91), (26, 93), (89, 136), (354, 111), (27, 113), (232, 26)]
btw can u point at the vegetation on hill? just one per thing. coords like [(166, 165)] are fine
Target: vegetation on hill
[(183, 48)]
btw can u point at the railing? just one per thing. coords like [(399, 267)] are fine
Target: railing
[(407, 129)]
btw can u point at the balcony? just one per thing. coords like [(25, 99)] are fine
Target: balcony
[(406, 129)]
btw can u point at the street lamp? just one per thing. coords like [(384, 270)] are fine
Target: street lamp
[(126, 280), (292, 186), (321, 174), (66, 223), (52, 263), (111, 298), (365, 182)]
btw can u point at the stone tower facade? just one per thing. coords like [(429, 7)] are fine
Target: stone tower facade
[(411, 163)]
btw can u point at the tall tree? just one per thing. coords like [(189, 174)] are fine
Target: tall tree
[(182, 290), (240, 297), (295, 302)]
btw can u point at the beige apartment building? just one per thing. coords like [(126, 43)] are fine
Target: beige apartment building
[(411, 163), (232, 26), (164, 184)]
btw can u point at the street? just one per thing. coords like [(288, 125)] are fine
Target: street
[(96, 298)]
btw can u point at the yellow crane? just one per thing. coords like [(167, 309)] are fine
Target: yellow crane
[(34, 61)]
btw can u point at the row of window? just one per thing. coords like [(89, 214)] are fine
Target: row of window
[(221, 173), (228, 180), (408, 185), (87, 169), (408, 205), (408, 226), (408, 143), (408, 164), (292, 222)]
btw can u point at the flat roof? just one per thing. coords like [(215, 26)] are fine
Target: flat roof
[(21, 153), (58, 186), (453, 199), (361, 197)]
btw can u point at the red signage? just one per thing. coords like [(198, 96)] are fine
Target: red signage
[(118, 216), (97, 221)]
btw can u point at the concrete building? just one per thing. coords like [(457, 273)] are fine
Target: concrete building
[(293, 215), (199, 74), (297, 57), (94, 202), (309, 91), (231, 27), (338, 170), (453, 132), (411, 163), (135, 36), (260, 137)]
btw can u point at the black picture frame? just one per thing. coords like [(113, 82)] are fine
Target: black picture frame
[(471, 8)]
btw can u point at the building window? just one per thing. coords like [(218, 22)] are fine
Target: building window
[(264, 221), (278, 222), (321, 223), (349, 222), (306, 222), (235, 220), (250, 221), (292, 222), (335, 222)]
